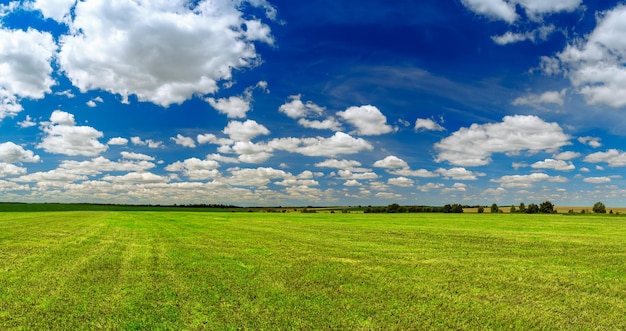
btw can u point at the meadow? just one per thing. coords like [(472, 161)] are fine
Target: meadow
[(125, 270)]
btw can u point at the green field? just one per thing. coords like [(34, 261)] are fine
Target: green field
[(129, 270)]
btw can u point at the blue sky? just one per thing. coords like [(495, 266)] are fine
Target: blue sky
[(260, 102)]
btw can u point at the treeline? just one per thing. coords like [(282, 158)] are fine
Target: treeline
[(396, 208), (546, 207)]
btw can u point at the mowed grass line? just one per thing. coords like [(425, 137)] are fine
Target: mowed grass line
[(175, 270)]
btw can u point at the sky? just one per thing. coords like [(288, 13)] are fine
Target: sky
[(284, 103)]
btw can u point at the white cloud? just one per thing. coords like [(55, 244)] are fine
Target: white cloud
[(591, 141), (25, 68), (400, 181), (260, 177), (456, 187), (136, 178), (348, 174), (118, 141), (26, 123), (391, 162), (399, 167), (430, 186), (57, 10), (252, 153), (613, 157), (163, 52), (149, 142), (505, 10), (340, 143), (597, 180), (367, 120), (540, 34), (196, 169), (568, 155), (527, 181), (233, 107), (183, 141), (553, 164), (7, 170), (459, 174), (339, 164), (210, 138), (495, 9), (12, 153), (327, 124), (595, 63), (352, 183), (245, 131), (100, 164), (136, 156), (64, 137), (474, 146), (427, 124), (296, 109), (549, 97)]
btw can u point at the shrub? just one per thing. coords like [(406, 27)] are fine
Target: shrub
[(599, 208)]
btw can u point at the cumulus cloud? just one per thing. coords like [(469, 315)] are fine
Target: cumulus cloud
[(367, 120), (456, 187), (58, 10), (136, 178), (162, 52), (549, 97), (117, 141), (427, 124), (149, 142), (613, 157), (400, 181), (568, 155), (195, 169), (591, 141), (183, 141), (540, 34), (297, 109), (63, 136), (136, 156), (495, 9), (245, 131), (12, 153), (597, 180), (26, 123), (459, 174), (505, 10), (399, 167), (232, 107), (25, 68), (554, 165), (596, 63), (527, 181), (340, 143), (8, 169), (474, 146)]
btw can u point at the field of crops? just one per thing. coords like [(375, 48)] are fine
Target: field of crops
[(127, 270)]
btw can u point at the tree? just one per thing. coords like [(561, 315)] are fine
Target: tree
[(532, 209), (513, 209), (481, 209), (522, 207), (494, 208), (546, 208), (599, 208), (457, 208)]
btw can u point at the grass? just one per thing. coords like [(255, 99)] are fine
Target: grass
[(227, 271)]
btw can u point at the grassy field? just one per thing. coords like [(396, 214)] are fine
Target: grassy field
[(259, 271)]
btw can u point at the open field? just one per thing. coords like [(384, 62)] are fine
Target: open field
[(260, 271)]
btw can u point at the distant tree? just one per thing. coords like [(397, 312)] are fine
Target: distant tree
[(447, 208), (599, 208), (513, 210), (546, 207), (457, 208), (611, 212), (481, 209), (532, 209), (393, 208), (494, 208), (522, 207)]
